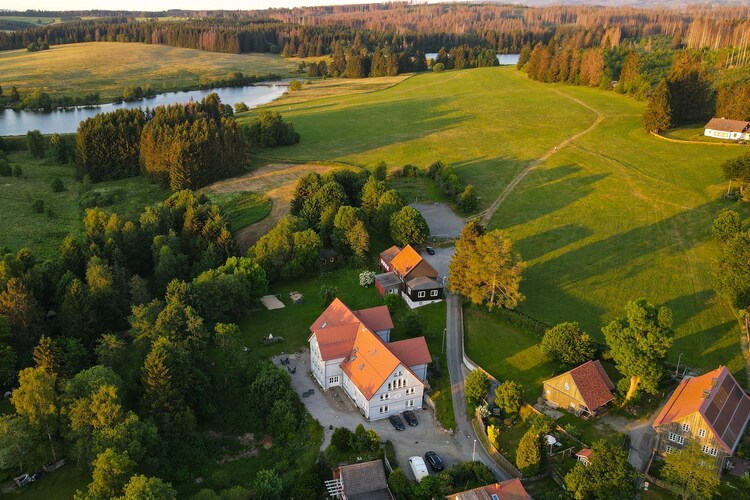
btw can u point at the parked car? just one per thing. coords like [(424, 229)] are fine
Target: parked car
[(434, 460), (410, 418), (430, 250), (418, 468), (396, 422)]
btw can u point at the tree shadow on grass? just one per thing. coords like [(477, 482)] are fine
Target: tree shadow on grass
[(537, 245), (687, 306)]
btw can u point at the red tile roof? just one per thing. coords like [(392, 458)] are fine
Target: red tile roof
[(720, 400), (727, 125), (337, 341), (375, 318), (336, 314), (390, 253), (411, 352), (507, 490), (370, 363), (593, 384), (366, 478), (585, 453)]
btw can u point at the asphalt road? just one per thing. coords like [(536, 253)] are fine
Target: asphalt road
[(465, 434)]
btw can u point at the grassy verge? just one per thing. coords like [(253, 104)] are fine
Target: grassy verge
[(43, 232), (82, 68), (242, 208), (61, 483)]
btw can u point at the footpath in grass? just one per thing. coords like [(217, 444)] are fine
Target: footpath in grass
[(620, 215), (63, 212)]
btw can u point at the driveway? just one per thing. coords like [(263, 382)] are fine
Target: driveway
[(642, 437), (440, 260), (334, 408), (441, 219)]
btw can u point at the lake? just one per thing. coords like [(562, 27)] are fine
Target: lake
[(503, 59), (66, 120)]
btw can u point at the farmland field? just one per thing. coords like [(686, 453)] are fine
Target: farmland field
[(87, 67), (611, 216)]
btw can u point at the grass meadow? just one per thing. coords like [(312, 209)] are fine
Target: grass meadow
[(615, 215), (43, 232), (242, 208), (109, 67)]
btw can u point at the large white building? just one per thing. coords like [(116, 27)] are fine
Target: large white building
[(351, 349), (733, 130)]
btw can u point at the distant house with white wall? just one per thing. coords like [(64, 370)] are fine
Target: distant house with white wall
[(405, 272), (733, 130), (351, 349)]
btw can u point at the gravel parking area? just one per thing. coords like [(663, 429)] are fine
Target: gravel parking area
[(441, 219), (334, 408)]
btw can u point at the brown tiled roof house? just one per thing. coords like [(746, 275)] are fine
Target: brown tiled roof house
[(363, 481), (507, 490), (584, 389)]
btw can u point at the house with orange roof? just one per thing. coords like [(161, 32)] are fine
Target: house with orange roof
[(351, 349), (582, 390), (507, 490), (711, 410), (408, 274)]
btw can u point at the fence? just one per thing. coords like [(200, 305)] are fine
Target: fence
[(495, 455)]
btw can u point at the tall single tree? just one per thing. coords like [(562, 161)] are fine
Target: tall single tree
[(487, 271), (639, 344), (408, 227), (36, 400), (691, 472), (476, 387), (658, 115), (566, 343)]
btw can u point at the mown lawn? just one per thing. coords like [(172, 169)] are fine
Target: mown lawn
[(620, 215), (62, 483), (82, 68), (43, 232), (242, 208)]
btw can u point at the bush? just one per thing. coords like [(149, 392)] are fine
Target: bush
[(57, 185), (508, 397), (17, 171), (391, 300), (468, 200), (366, 278), (380, 171), (529, 454), (342, 439), (438, 67), (240, 107), (327, 294), (412, 325), (5, 170), (476, 387), (35, 143), (543, 424), (410, 171), (295, 85), (38, 206), (92, 199), (493, 434)]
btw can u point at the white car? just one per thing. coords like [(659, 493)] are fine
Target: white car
[(418, 467)]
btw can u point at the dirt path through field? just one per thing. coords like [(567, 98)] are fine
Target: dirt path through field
[(277, 181), (490, 212)]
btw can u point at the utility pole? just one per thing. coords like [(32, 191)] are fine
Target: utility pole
[(474, 451), (442, 345), (677, 370)]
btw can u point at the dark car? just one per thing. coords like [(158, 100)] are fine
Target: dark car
[(434, 460), (410, 418), (397, 423), (430, 250)]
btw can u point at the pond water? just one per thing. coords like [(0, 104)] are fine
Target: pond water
[(503, 59), (66, 120)]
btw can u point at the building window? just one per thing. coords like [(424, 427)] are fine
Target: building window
[(668, 449), (686, 427), (702, 433), (567, 387), (333, 380), (433, 293), (383, 409), (548, 392), (421, 295), (676, 438), (410, 403), (389, 386), (710, 451), (383, 397), (410, 390)]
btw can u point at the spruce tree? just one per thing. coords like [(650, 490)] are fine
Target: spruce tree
[(658, 116)]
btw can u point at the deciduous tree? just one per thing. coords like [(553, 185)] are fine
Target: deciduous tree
[(508, 396), (639, 344), (691, 472), (476, 387), (608, 474), (530, 453), (566, 343), (408, 227)]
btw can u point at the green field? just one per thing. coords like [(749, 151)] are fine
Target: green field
[(242, 208), (615, 215), (43, 232), (109, 67), (30, 20)]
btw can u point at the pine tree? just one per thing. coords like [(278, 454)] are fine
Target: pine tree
[(161, 397), (658, 116), (44, 357)]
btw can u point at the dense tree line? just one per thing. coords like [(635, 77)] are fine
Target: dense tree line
[(270, 130), (183, 146)]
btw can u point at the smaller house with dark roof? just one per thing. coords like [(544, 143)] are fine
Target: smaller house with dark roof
[(721, 128), (351, 349), (507, 490), (711, 410), (362, 481), (582, 390), (407, 273)]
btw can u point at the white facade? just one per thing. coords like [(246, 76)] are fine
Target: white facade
[(414, 305), (723, 134), (401, 391), (327, 373)]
